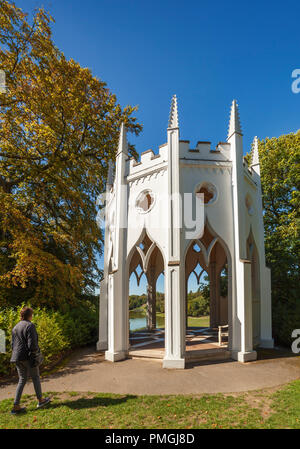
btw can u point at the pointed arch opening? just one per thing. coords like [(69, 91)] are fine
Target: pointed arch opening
[(207, 292), (146, 296)]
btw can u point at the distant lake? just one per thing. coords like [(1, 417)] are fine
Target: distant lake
[(138, 320)]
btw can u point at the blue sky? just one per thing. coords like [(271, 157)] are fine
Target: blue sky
[(207, 52)]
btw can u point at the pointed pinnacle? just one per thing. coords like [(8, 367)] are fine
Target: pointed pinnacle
[(173, 118), (234, 122), (123, 147), (255, 154)]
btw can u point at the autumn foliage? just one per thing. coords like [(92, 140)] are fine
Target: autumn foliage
[(280, 176), (58, 128)]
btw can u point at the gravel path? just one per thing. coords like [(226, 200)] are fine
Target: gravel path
[(88, 371)]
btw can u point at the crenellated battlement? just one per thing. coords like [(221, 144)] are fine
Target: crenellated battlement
[(148, 160), (202, 151)]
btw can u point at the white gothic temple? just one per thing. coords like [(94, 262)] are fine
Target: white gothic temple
[(144, 227)]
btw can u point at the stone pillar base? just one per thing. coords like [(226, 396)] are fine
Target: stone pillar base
[(101, 345), (266, 343), (174, 363), (115, 356), (244, 356)]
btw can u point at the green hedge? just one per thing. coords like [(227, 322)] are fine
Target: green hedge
[(286, 318), (57, 332)]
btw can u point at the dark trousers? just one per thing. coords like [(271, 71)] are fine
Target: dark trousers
[(24, 371)]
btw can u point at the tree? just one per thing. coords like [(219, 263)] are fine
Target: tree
[(59, 127), (280, 177)]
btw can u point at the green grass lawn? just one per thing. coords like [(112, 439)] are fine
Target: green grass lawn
[(201, 321), (258, 409)]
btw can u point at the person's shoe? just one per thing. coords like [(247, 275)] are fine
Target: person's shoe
[(43, 403), (18, 411)]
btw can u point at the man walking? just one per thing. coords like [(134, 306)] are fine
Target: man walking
[(27, 357)]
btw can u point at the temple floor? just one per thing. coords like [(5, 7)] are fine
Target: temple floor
[(201, 342)]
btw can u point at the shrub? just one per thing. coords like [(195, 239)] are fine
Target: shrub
[(52, 340), (198, 306), (136, 301), (286, 318), (80, 325), (57, 332)]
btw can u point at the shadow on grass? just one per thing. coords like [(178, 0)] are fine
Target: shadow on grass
[(84, 403)]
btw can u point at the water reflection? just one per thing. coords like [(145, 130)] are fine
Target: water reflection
[(137, 320)]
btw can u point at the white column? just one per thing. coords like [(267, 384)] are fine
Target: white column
[(116, 346), (213, 293), (244, 313), (266, 340), (242, 344), (102, 343), (174, 295), (151, 299), (117, 291), (174, 324)]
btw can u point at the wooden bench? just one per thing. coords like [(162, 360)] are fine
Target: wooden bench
[(223, 332)]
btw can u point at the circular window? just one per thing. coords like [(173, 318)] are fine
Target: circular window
[(208, 191), (249, 204), (145, 201)]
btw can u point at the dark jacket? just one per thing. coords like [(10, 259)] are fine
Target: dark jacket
[(24, 341)]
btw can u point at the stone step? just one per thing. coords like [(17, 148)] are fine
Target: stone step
[(207, 354), (147, 353), (190, 356)]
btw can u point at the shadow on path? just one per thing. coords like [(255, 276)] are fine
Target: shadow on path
[(192, 364), (80, 360), (274, 353)]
